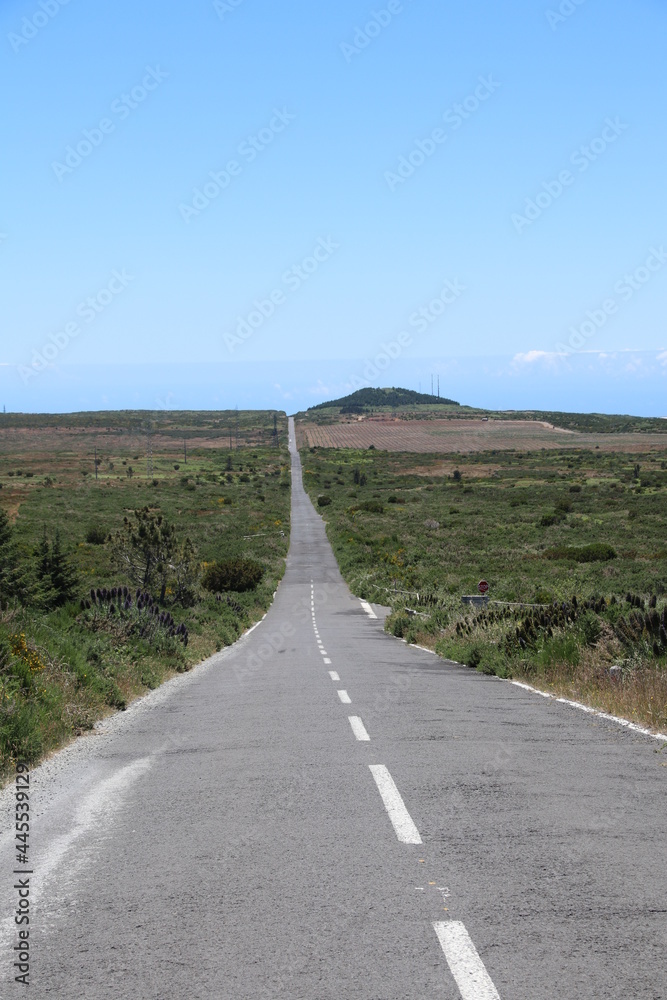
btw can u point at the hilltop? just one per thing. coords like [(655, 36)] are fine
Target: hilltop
[(364, 399)]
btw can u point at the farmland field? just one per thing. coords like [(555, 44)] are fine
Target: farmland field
[(69, 490), (464, 435)]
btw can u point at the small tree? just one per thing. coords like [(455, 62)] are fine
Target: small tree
[(148, 550), (186, 569), (144, 547), (57, 579)]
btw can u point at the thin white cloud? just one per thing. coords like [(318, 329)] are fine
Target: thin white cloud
[(530, 357)]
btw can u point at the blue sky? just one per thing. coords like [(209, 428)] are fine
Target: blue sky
[(369, 158)]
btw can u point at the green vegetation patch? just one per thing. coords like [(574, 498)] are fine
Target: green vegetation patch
[(443, 523), (102, 590)]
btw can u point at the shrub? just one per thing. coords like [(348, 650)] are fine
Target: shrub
[(597, 552), (96, 536), (372, 507), (238, 575), (591, 628), (547, 520), (564, 506), (400, 625), (323, 501), (474, 658)]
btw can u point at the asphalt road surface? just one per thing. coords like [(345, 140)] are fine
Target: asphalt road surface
[(323, 812)]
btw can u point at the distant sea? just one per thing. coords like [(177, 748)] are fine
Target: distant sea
[(620, 382)]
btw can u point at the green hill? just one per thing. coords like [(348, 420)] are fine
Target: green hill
[(364, 399)]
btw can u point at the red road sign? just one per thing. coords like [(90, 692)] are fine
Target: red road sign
[(483, 587)]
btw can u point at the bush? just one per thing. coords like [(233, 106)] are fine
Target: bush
[(474, 658), (597, 552), (591, 628), (323, 501), (372, 507), (96, 536), (238, 575), (547, 520), (400, 625), (564, 506)]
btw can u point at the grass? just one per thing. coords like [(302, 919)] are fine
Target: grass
[(419, 532), (63, 668)]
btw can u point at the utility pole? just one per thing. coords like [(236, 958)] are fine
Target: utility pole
[(149, 455), (438, 387), (237, 428)]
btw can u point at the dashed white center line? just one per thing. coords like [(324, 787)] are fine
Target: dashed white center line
[(333, 675), (327, 660), (324, 652), (344, 697), (359, 729), (406, 831), (471, 977)]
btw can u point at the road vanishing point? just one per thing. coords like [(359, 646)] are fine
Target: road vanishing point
[(323, 812)]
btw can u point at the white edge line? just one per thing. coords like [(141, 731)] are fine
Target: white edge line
[(592, 711), (632, 726), (466, 966), (256, 625), (359, 729), (368, 609), (401, 820)]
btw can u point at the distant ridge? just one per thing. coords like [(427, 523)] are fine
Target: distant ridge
[(369, 398)]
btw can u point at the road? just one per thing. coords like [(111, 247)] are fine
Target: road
[(324, 812)]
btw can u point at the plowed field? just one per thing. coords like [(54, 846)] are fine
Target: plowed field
[(467, 436)]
